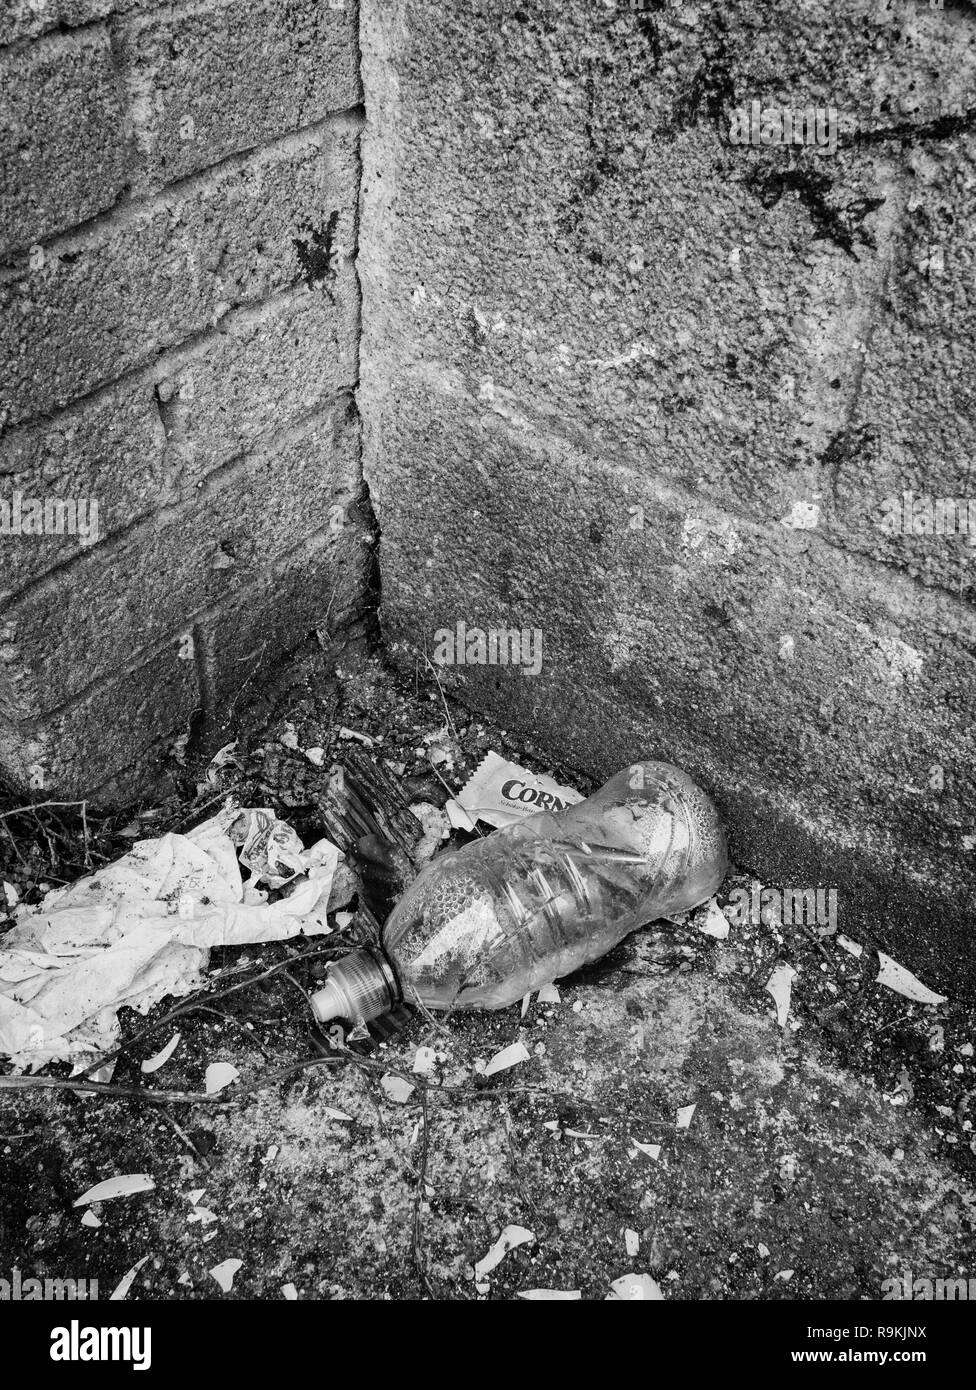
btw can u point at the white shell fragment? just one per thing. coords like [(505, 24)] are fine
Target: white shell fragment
[(780, 986), (508, 1057), (224, 1273), (219, 1075), (902, 981), (123, 1186), (508, 1240), (635, 1286), (161, 1058)]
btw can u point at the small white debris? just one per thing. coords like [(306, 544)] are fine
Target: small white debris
[(185, 1279), (424, 1061), (343, 919), (458, 816), (966, 1049), (194, 1197), (90, 1219), (526, 1001), (354, 734), (511, 1237), (578, 1006), (763, 1250), (219, 1075), (902, 981), (780, 986), (10, 894), (635, 1286), (201, 1214), (652, 1150), (683, 1119), (549, 994), (272, 1154), (550, 1295), (716, 923), (853, 948), (122, 1186), (289, 1292), (508, 1057), (397, 1088), (126, 1282), (289, 739), (785, 1275), (550, 1124), (581, 1134), (161, 1058), (631, 1242), (224, 1273), (335, 1114), (315, 755)]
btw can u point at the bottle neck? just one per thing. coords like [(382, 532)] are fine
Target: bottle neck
[(360, 987)]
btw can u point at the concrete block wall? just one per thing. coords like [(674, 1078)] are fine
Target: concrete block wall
[(179, 326), (647, 391)]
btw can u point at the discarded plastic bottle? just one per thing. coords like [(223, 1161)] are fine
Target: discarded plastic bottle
[(482, 926)]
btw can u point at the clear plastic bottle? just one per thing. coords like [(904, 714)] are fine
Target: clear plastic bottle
[(482, 926)]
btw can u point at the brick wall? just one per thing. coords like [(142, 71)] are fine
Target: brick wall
[(645, 390), (179, 324)]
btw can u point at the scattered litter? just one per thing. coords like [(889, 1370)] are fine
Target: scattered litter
[(631, 1242), (716, 923), (549, 994), (652, 1150), (125, 1283), (289, 1292), (550, 1295), (785, 1275), (526, 1001), (937, 1038), (315, 755), (272, 1154), (902, 981), (550, 1124), (219, 1075), (780, 986), (220, 759), (161, 1058), (508, 1057), (683, 1120), (10, 894), (436, 827), (508, 1240), (502, 793), (397, 1088), (343, 919), (90, 1219), (763, 1251), (289, 738), (967, 1049), (224, 1273), (483, 1288), (123, 1186), (336, 1114), (635, 1286), (577, 1006), (185, 1279), (139, 929), (853, 948), (424, 1061), (194, 1196), (581, 1134)]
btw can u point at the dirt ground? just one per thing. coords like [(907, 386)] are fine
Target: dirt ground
[(821, 1157)]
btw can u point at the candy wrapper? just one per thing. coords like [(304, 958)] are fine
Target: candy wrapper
[(502, 793)]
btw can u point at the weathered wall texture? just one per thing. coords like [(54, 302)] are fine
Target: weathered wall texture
[(613, 367), (179, 323)]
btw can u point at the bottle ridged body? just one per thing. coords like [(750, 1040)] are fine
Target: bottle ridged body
[(531, 903)]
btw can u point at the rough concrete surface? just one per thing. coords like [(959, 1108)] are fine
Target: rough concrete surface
[(647, 391)]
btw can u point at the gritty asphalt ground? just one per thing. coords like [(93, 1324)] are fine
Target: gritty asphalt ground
[(822, 1157)]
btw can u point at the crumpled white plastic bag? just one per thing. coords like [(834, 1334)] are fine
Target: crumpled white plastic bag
[(140, 929)]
